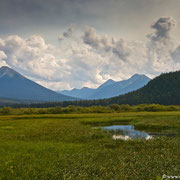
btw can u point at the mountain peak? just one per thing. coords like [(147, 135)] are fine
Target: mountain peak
[(107, 83), (5, 68), (15, 85), (6, 71), (85, 88), (136, 76)]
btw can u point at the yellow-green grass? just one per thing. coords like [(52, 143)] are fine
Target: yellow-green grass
[(65, 146)]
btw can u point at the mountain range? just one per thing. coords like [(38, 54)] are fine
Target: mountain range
[(164, 89), (109, 89), (15, 86)]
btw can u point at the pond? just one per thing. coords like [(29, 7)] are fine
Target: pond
[(126, 132)]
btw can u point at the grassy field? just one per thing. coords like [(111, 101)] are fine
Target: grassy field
[(65, 146)]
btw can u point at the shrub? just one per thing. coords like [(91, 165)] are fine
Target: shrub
[(125, 107), (6, 110), (115, 107), (55, 110)]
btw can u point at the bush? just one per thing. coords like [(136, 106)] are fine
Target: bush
[(91, 109), (55, 110), (115, 107), (125, 107), (27, 111), (6, 110)]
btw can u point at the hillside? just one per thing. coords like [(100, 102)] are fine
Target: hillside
[(83, 93), (15, 86), (110, 88), (121, 87), (164, 89)]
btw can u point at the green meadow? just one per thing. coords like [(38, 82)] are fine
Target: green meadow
[(67, 146)]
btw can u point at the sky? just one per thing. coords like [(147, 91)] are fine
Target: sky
[(65, 44)]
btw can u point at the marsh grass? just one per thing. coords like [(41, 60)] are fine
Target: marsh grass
[(66, 146)]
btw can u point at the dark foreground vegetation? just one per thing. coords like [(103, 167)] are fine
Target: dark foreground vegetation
[(93, 109), (66, 146)]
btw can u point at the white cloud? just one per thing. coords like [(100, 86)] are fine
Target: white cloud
[(73, 66), (2, 58), (91, 59), (33, 57)]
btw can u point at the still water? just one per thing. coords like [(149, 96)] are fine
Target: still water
[(126, 132)]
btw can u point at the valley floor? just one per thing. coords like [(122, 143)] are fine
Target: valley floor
[(66, 146)]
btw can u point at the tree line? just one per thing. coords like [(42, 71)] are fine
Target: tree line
[(93, 109)]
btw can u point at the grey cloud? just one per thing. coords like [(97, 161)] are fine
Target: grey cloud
[(161, 45), (122, 49), (163, 26), (153, 57), (104, 43), (96, 41), (46, 17), (67, 34)]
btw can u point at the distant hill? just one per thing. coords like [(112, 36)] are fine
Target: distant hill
[(83, 93), (164, 89), (15, 86), (15, 102), (110, 88), (121, 87)]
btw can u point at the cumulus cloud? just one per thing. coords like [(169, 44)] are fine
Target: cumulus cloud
[(122, 49), (33, 57), (163, 26), (161, 46), (71, 66), (121, 57), (111, 46), (158, 55), (91, 59), (96, 41)]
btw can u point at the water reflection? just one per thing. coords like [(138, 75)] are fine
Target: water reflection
[(126, 132)]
